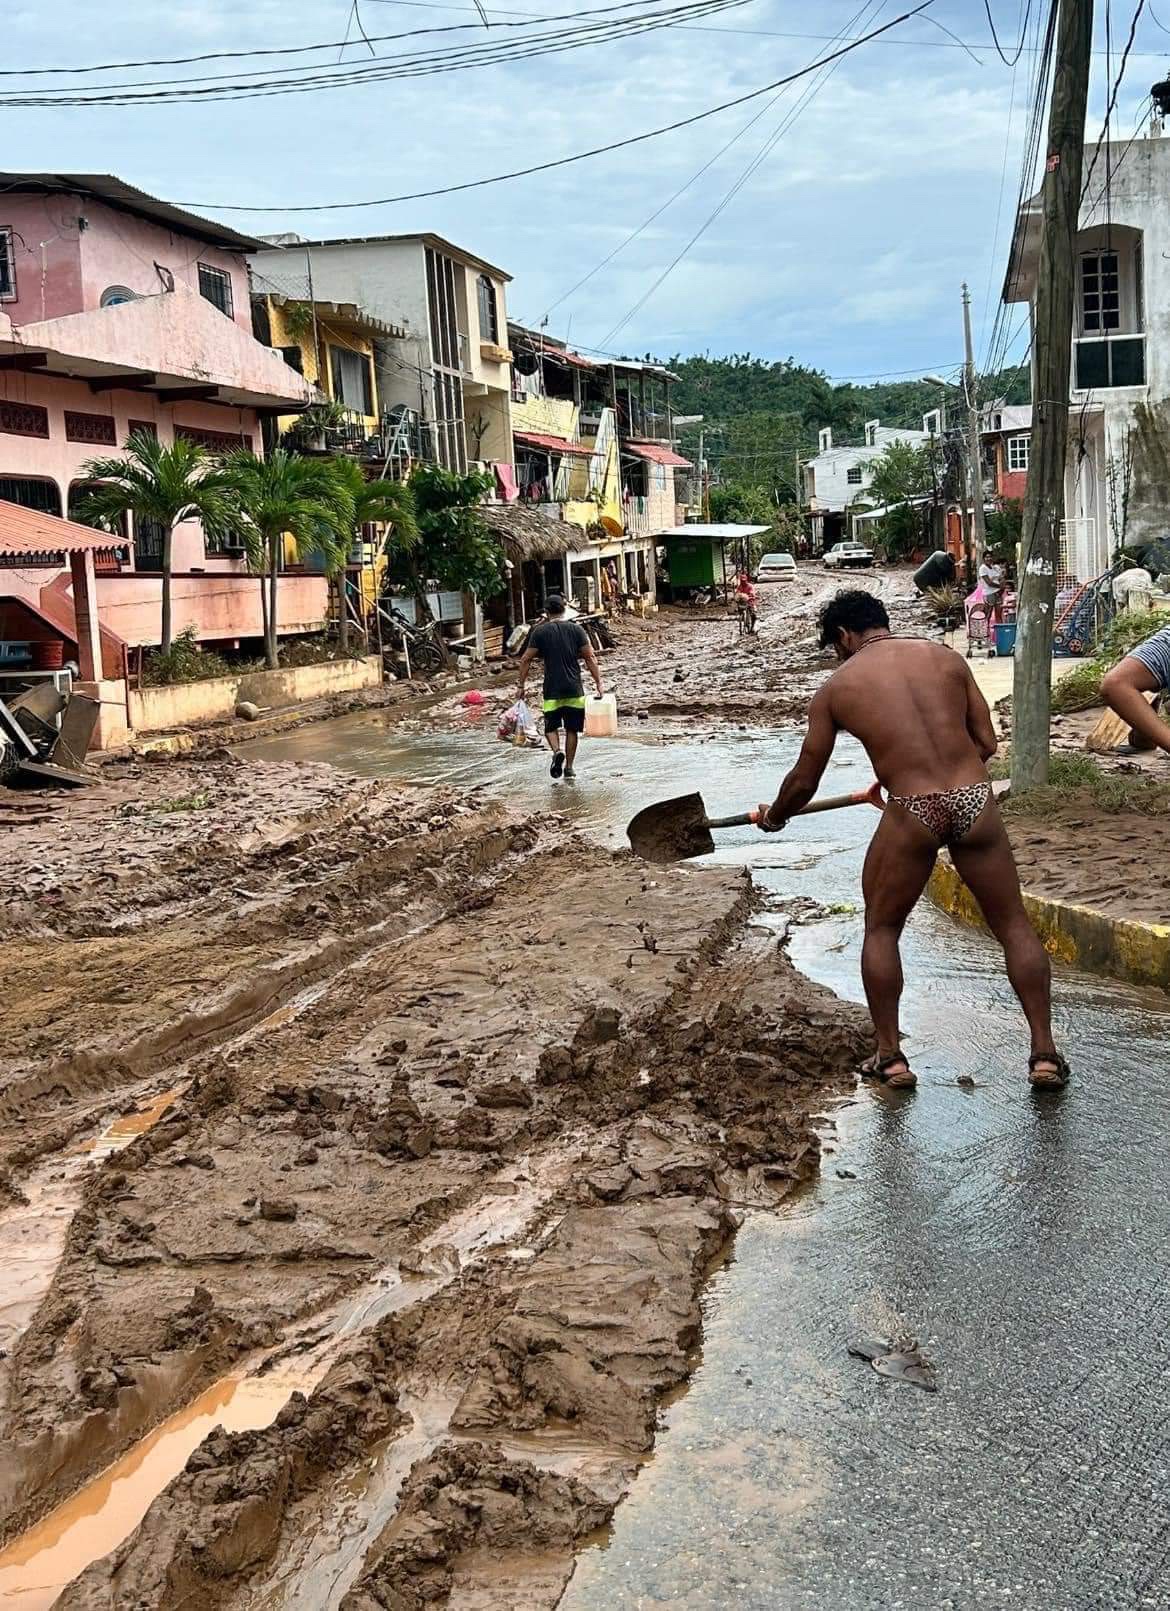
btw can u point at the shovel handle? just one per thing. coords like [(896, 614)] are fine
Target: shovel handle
[(745, 819)]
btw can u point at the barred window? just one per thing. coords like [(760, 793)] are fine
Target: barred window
[(7, 265), (215, 284)]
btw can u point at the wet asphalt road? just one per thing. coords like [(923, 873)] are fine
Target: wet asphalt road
[(1022, 1241)]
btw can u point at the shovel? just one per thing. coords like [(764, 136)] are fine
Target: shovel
[(675, 830)]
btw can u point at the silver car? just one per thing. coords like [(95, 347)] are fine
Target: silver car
[(776, 568)]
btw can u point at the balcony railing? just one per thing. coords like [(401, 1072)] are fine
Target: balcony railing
[(1104, 362)]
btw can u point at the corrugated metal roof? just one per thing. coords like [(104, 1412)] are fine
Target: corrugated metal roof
[(551, 444), (109, 188), (655, 453), (28, 531)]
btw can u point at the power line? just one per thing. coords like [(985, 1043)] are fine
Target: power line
[(681, 191), (322, 76), (559, 162), (1008, 61), (1113, 94), (825, 71)]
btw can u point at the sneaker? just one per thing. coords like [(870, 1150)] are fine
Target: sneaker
[(569, 773), (558, 765)]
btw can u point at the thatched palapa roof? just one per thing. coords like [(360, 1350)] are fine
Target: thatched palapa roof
[(528, 535)]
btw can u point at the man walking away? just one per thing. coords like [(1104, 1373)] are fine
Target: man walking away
[(927, 730), (1145, 670), (561, 645)]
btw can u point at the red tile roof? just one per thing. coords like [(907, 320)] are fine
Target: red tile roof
[(28, 531), (655, 453), (552, 444)]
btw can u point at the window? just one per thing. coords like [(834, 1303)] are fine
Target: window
[(1115, 361), (76, 508), (148, 544), (294, 358), (7, 266), (31, 492), (24, 419), (853, 476), (489, 318), (1100, 292), (1018, 452), (216, 285), (96, 429), (214, 441), (353, 384)]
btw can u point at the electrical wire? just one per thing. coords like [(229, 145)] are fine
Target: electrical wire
[(824, 72), (560, 162), (279, 81), (681, 191), (1113, 94), (1012, 60)]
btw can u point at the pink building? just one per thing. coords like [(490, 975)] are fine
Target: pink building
[(119, 312)]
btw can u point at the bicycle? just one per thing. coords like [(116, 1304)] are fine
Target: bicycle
[(423, 646)]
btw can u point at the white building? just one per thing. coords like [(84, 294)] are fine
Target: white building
[(838, 477), (452, 366), (1117, 481)]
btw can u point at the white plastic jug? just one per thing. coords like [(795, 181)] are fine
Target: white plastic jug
[(601, 717)]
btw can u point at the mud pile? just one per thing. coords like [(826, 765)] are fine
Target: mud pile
[(450, 1147)]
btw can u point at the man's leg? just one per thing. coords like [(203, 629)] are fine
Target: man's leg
[(897, 867), (552, 732), (985, 863), (571, 742)]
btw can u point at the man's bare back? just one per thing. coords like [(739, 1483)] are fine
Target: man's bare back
[(918, 712)]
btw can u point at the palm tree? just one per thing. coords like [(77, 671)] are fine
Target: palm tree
[(383, 503), (164, 483), (286, 496)]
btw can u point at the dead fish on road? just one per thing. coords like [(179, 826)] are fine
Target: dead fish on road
[(900, 1361)]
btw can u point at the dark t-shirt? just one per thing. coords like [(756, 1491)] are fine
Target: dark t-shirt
[(560, 644)]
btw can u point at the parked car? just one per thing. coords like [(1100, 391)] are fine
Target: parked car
[(848, 554), (776, 568)]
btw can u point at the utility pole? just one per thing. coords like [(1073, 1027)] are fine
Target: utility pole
[(1052, 346), (977, 528)]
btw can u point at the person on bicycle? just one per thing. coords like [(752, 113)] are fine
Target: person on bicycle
[(561, 645), (745, 601)]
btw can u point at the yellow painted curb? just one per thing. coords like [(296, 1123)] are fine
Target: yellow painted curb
[(1136, 952)]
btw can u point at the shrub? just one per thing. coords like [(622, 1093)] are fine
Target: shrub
[(184, 661)]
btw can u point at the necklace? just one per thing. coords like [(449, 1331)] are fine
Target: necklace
[(886, 637)]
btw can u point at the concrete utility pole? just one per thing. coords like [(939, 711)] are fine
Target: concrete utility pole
[(977, 526), (1052, 345)]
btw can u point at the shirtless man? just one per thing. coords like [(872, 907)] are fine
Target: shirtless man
[(928, 732)]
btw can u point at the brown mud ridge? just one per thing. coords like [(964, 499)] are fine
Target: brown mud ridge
[(466, 1110)]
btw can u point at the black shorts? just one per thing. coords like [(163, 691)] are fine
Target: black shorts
[(570, 717)]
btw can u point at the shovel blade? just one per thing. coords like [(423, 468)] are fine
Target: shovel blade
[(672, 830)]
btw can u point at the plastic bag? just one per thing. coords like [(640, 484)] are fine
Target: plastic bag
[(517, 725)]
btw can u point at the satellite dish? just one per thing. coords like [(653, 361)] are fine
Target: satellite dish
[(612, 526), (525, 362)]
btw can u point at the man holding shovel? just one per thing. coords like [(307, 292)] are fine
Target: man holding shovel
[(562, 645), (926, 728)]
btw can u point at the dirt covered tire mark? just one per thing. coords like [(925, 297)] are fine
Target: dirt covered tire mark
[(221, 1517)]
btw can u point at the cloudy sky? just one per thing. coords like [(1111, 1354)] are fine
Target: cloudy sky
[(871, 198)]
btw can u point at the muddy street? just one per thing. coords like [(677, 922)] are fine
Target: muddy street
[(411, 1198)]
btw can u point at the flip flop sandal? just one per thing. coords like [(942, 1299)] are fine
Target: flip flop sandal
[(878, 1068), (1048, 1079)]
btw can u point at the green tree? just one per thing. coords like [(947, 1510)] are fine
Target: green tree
[(384, 503), (456, 548), (286, 496), (166, 484), (902, 475)]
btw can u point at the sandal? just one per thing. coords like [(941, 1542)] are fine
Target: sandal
[(1048, 1079), (878, 1068)]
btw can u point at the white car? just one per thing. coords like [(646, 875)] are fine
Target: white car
[(848, 554), (776, 568)]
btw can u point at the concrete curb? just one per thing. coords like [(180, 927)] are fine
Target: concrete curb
[(1136, 952)]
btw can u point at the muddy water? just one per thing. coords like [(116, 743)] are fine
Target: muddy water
[(1021, 1241)]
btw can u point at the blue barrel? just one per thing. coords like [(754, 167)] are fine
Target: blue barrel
[(1005, 638)]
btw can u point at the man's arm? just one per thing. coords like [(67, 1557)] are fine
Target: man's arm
[(800, 785), (1124, 690), (526, 660), (979, 722), (589, 655)]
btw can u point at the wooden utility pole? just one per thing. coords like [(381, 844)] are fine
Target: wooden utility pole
[(1052, 347), (976, 526)]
